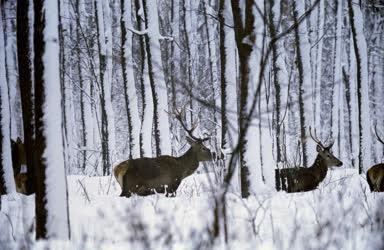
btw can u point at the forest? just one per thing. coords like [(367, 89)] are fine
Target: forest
[(191, 124)]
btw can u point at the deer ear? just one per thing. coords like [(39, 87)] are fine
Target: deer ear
[(190, 140), (18, 140), (318, 148)]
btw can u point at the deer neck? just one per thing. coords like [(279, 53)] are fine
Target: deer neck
[(189, 160), (319, 168)]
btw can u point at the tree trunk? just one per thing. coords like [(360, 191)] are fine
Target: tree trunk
[(26, 88), (360, 52), (130, 95), (51, 188), (244, 50), (300, 69), (156, 79), (7, 183), (105, 71)]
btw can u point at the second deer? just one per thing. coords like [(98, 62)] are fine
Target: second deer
[(375, 175), (300, 179)]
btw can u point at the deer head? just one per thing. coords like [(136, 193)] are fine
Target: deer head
[(202, 152), (325, 151)]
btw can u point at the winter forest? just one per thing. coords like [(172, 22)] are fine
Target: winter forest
[(191, 124)]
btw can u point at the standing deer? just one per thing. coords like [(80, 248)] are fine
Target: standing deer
[(302, 179), (375, 175), (163, 174)]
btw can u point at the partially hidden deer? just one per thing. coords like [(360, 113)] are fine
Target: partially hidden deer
[(375, 175), (163, 174), (19, 165), (300, 179)]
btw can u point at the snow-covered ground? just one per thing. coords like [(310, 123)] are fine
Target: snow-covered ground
[(341, 214)]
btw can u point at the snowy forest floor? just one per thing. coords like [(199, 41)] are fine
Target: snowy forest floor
[(341, 214)]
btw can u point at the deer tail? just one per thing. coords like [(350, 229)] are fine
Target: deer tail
[(119, 172)]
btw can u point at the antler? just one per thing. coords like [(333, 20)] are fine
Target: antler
[(377, 135), (317, 140), (179, 114)]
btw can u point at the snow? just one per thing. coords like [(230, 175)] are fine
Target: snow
[(340, 214), (6, 157), (56, 195)]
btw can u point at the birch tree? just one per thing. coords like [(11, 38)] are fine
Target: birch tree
[(360, 52), (7, 183), (105, 70), (156, 79), (243, 30), (304, 77), (130, 95), (52, 219)]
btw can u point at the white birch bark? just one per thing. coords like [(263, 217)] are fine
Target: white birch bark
[(318, 62), (107, 40), (363, 51), (131, 89), (305, 47), (56, 184), (338, 82), (160, 86), (6, 157)]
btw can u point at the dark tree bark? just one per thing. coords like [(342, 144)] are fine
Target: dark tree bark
[(26, 88), (223, 83), (40, 143)]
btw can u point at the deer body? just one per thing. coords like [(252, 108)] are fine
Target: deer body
[(375, 175), (375, 178), (163, 174), (302, 179), (306, 179)]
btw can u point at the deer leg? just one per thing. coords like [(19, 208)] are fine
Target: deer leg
[(144, 191), (171, 190), (126, 194)]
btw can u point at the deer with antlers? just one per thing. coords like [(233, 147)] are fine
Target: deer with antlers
[(163, 174), (375, 175), (300, 179)]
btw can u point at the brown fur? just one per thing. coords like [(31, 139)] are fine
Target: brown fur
[(163, 174), (119, 172), (306, 179), (19, 159), (375, 178), (21, 183)]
